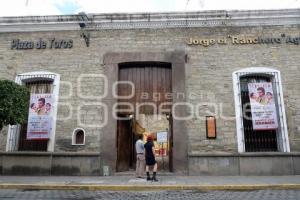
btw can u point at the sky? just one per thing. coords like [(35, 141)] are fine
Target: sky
[(62, 7)]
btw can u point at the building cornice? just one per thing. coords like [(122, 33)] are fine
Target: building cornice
[(220, 18)]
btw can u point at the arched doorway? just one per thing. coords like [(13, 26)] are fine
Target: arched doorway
[(176, 59), (147, 110)]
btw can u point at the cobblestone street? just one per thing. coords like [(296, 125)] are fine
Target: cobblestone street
[(155, 195)]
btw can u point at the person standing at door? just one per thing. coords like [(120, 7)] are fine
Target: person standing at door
[(150, 158), (140, 157)]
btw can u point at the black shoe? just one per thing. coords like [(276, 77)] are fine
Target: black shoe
[(148, 177), (154, 177)]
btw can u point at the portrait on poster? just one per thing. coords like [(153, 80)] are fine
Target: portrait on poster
[(263, 109), (40, 116)]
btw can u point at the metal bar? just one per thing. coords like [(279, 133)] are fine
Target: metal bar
[(255, 140)]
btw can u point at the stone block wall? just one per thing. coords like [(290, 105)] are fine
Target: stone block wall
[(44, 163), (250, 164), (208, 77)]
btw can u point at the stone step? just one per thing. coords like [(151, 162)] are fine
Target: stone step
[(132, 173)]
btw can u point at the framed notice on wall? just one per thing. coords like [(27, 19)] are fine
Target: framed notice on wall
[(211, 128)]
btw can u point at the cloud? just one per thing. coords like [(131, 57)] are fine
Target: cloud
[(57, 7), (103, 6), (250, 5), (33, 7)]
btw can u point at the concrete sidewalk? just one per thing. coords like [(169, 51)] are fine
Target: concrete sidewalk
[(164, 183)]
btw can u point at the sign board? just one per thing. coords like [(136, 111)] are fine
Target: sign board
[(40, 116), (105, 170), (263, 109), (244, 39), (162, 136), (53, 43), (211, 127)]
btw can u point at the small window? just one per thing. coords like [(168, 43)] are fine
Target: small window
[(263, 139), (260, 113), (38, 82), (35, 87), (78, 137)]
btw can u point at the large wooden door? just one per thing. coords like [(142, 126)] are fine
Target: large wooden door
[(152, 85), (171, 144), (152, 82), (124, 145)]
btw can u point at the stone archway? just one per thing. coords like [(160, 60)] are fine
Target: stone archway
[(111, 62)]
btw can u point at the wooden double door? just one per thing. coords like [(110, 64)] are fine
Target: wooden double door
[(152, 94)]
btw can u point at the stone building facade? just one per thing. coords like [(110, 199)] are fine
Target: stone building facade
[(209, 53)]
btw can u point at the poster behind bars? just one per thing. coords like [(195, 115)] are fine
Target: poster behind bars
[(40, 117), (263, 109)]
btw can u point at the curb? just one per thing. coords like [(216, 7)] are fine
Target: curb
[(148, 187)]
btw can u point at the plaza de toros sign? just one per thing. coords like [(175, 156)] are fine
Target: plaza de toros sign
[(52, 43), (243, 39)]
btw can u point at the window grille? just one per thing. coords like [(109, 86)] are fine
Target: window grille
[(37, 82), (258, 140), (35, 87), (79, 137)]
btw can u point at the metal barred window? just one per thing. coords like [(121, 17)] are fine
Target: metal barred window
[(259, 140), (39, 83), (35, 87)]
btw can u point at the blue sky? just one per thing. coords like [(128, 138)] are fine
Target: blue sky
[(68, 7), (59, 7)]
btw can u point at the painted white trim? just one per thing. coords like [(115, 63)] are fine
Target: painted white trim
[(74, 136), (285, 136), (56, 81), (12, 139), (238, 113), (8, 141), (55, 92), (238, 107)]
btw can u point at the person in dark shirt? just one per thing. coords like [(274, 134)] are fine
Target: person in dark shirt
[(150, 158)]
